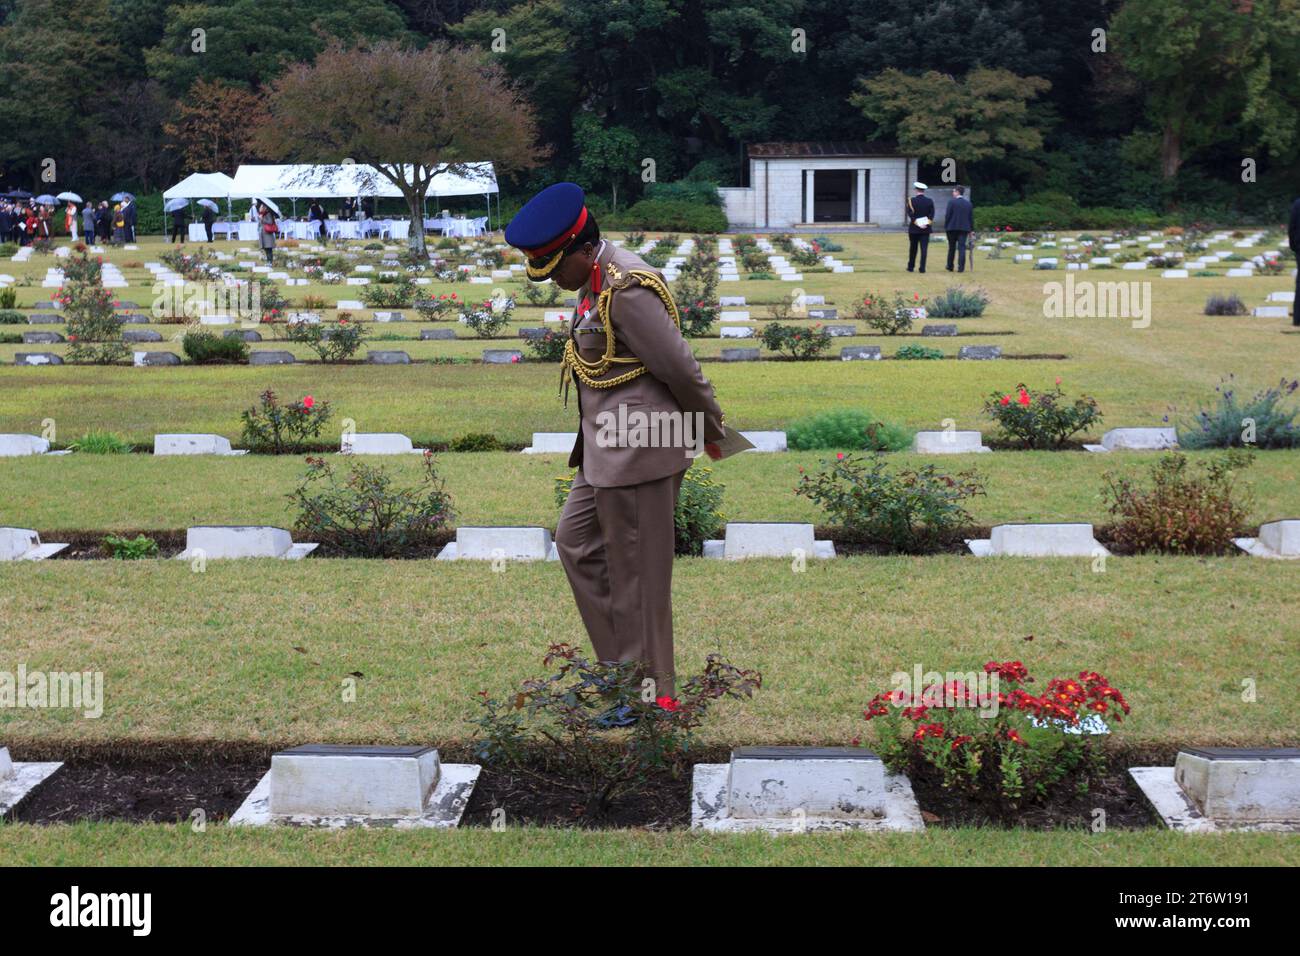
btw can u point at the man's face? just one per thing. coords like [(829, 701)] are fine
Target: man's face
[(574, 269)]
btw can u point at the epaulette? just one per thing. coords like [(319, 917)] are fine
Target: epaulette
[(619, 278)]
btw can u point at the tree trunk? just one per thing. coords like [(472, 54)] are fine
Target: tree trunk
[(415, 238), (1171, 146)]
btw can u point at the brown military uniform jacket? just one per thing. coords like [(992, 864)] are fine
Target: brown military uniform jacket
[(673, 382)]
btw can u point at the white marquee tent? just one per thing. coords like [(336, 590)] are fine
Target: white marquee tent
[(201, 186), (344, 181)]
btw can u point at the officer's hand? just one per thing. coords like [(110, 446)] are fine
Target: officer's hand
[(712, 450)]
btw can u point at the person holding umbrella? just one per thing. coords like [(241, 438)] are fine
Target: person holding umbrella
[(209, 215), (88, 222), (180, 220), (267, 228)]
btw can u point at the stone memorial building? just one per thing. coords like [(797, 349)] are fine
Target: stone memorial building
[(822, 184)]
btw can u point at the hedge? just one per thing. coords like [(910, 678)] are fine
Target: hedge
[(670, 215), (1024, 216)]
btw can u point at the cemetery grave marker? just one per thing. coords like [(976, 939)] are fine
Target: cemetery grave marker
[(377, 443), (949, 443), (792, 789), (181, 443), (1277, 539), (502, 356), (37, 358), (18, 780), (860, 353), (345, 785), (24, 544), (270, 357), (499, 543), (1063, 540), (1212, 789), (552, 443), (387, 357), (768, 539), (1136, 439), (242, 541), (980, 352)]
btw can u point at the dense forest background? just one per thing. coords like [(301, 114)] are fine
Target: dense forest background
[(1185, 105)]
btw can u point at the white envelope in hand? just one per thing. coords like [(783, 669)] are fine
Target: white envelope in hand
[(923, 221)]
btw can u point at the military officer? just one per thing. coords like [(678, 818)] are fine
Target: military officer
[(630, 365), (920, 223)]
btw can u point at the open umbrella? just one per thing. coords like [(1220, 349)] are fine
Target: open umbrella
[(269, 205), (18, 194), (173, 204), (46, 200), (68, 197), (121, 197), (210, 204)]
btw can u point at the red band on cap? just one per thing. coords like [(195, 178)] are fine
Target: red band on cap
[(562, 240)]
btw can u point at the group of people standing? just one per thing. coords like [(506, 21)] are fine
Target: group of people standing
[(24, 223), (958, 224)]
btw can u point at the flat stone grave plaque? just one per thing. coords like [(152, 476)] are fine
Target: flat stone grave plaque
[(37, 358), (860, 353), (427, 334), (980, 352), (387, 357), (944, 329), (270, 357), (740, 355)]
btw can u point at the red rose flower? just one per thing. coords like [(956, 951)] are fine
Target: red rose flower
[(667, 703)]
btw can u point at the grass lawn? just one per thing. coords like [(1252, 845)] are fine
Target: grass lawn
[(1139, 375), (128, 492), (125, 845), (258, 650)]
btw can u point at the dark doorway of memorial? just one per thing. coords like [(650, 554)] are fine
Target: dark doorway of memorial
[(833, 198)]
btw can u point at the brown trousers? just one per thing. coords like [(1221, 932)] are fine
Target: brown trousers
[(616, 546)]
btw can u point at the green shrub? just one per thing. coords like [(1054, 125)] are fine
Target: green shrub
[(389, 295), (854, 429), (698, 516), (1260, 421), (798, 342), (129, 549), (101, 443), (1041, 419), (278, 429), (11, 338), (476, 441), (957, 302), (8, 250), (8, 297), (696, 191), (94, 333), (542, 293), (914, 352), (999, 743), (12, 316), (549, 346), (671, 214), (485, 321), (332, 342), (912, 511), (886, 315), (571, 712), (1183, 511), (435, 307), (696, 293), (209, 348), (362, 514)]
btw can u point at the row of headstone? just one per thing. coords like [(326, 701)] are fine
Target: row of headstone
[(768, 539), (764, 789)]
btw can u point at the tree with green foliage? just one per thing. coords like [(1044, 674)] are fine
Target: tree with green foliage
[(984, 115), (1213, 71), (607, 155), (251, 42)]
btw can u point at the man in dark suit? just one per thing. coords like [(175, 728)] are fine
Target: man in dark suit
[(958, 223), (128, 218), (920, 223), (1293, 240), (209, 217)]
